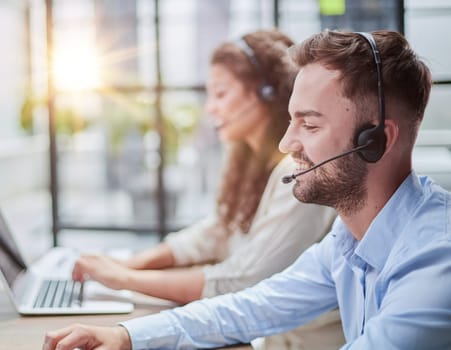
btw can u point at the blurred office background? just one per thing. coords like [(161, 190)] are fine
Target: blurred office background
[(115, 142)]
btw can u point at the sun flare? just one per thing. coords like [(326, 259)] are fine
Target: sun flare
[(76, 67)]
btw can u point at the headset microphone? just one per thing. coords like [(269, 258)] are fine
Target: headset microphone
[(288, 178)]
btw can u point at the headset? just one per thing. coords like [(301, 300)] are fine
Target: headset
[(373, 136), (266, 92), (369, 141)]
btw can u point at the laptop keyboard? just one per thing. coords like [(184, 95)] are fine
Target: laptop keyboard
[(59, 293)]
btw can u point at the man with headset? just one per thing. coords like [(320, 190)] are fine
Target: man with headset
[(386, 262)]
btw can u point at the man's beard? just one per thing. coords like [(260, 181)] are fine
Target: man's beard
[(339, 184)]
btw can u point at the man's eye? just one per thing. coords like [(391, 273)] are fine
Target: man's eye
[(309, 127)]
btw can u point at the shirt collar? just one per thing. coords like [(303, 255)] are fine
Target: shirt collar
[(376, 244)]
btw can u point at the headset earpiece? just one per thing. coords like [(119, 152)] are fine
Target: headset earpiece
[(266, 92), (373, 136)]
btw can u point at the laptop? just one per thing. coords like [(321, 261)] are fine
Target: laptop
[(48, 289)]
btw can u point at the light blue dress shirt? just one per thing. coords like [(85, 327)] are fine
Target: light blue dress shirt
[(393, 287)]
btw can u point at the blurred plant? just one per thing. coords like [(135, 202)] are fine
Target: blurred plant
[(124, 117), (180, 122), (67, 120), (121, 116), (26, 113)]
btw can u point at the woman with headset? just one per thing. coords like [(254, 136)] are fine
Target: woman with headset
[(259, 227)]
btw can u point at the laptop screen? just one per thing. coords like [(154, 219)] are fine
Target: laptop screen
[(11, 262)]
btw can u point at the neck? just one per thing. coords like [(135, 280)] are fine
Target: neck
[(380, 188), (256, 139)]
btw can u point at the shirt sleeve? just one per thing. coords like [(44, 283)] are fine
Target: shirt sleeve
[(199, 243), (278, 304)]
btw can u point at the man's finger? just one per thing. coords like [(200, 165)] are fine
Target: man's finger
[(80, 337), (52, 338)]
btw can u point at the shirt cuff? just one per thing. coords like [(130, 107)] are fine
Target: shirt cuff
[(145, 332)]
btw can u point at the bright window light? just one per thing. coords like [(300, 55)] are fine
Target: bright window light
[(76, 67)]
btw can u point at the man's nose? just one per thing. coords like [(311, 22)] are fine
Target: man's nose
[(290, 143)]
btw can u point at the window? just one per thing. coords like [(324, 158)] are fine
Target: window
[(129, 78)]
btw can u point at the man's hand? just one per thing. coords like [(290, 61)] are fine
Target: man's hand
[(103, 269), (87, 338)]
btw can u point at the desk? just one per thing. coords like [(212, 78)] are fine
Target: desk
[(27, 333)]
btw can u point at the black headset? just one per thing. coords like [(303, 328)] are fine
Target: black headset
[(266, 92), (374, 135)]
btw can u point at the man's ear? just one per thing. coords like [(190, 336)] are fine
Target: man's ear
[(391, 133)]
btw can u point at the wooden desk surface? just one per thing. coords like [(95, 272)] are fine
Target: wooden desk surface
[(27, 333)]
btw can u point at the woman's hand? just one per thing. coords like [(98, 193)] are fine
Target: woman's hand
[(103, 269), (87, 338)]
